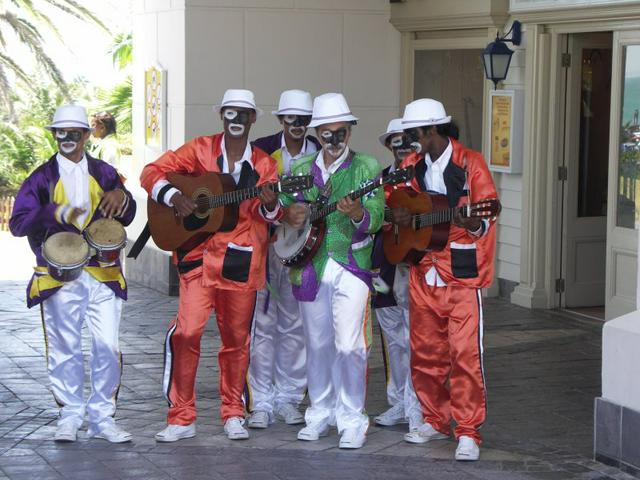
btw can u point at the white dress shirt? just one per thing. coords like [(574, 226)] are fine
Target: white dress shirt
[(328, 171), (288, 159), (75, 180), (237, 167)]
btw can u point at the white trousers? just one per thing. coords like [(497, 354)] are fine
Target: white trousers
[(277, 366), (334, 327), (77, 302)]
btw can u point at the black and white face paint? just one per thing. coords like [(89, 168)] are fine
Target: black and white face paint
[(413, 135), (333, 141), (296, 124), (401, 146), (236, 121), (68, 140)]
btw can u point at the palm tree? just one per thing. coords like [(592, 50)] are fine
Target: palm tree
[(25, 19)]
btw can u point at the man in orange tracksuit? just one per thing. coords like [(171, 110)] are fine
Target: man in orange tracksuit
[(445, 300), (222, 273)]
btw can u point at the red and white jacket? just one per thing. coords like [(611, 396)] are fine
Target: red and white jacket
[(233, 260)]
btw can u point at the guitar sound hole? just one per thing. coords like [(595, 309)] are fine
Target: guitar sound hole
[(192, 222), (202, 204)]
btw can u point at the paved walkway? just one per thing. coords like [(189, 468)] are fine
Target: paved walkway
[(543, 372)]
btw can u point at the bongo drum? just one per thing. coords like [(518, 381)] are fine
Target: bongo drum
[(66, 253), (107, 237)]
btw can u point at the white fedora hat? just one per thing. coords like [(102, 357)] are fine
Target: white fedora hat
[(331, 108), (70, 116), (294, 102), (395, 126), (424, 112), (237, 97)]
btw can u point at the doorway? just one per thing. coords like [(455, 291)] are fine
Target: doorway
[(583, 172)]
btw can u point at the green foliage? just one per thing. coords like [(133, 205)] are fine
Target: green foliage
[(122, 50)]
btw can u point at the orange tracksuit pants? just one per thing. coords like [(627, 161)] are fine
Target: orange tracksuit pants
[(446, 355), (234, 312)]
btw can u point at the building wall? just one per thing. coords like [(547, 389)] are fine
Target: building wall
[(267, 46)]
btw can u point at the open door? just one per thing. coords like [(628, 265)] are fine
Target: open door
[(586, 162), (624, 178)]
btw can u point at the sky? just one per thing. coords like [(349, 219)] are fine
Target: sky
[(83, 49)]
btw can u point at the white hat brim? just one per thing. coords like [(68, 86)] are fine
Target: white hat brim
[(70, 124), (259, 111), (291, 111), (426, 122), (383, 138), (316, 122)]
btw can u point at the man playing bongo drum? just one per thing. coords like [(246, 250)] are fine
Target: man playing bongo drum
[(66, 194)]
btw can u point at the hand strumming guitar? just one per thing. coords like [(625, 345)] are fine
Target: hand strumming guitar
[(401, 217), (295, 215), (184, 206)]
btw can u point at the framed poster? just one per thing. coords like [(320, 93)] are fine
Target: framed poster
[(155, 108), (506, 108)]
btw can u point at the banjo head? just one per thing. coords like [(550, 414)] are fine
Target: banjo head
[(290, 242)]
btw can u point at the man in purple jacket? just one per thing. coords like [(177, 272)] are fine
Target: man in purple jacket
[(277, 367), (66, 194)]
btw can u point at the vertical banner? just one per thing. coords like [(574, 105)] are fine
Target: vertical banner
[(505, 131), (155, 118)]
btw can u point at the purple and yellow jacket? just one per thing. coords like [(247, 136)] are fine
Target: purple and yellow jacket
[(34, 216)]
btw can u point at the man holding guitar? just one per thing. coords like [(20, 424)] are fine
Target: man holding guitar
[(277, 367), (333, 288), (222, 272), (445, 300)]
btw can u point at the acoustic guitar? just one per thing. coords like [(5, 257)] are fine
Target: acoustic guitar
[(296, 247), (430, 222), (217, 208)]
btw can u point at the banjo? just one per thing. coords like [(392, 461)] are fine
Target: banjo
[(296, 247)]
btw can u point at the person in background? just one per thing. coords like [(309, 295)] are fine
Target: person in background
[(277, 368)]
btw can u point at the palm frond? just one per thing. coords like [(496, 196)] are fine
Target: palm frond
[(75, 9)]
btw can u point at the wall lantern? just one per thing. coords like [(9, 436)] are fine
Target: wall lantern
[(497, 56)]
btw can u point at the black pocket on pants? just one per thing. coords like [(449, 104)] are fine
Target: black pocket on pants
[(237, 263), (464, 263)]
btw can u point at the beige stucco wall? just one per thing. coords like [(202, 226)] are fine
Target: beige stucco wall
[(267, 46)]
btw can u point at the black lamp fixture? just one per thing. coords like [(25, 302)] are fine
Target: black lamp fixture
[(497, 56)]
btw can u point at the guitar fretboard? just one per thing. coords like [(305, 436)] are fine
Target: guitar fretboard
[(434, 218), (236, 196), (330, 208)]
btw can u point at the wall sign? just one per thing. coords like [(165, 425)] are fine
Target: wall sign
[(155, 108), (505, 130)]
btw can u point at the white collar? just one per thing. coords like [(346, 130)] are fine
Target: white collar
[(303, 151), (69, 166), (335, 165), (443, 160), (246, 156)]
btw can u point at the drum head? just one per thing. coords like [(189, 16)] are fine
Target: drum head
[(106, 233), (65, 249)]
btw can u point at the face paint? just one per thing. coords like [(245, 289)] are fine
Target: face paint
[(400, 146), (297, 120), (334, 141), (236, 121), (71, 136), (68, 147), (297, 132), (413, 135)]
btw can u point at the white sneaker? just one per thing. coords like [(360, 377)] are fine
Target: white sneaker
[(173, 433), (415, 421), (258, 419), (234, 429), (393, 416), (313, 431), (423, 434), (289, 414), (66, 432), (353, 437), (468, 450), (112, 433)]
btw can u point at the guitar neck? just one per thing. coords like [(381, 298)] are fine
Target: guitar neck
[(237, 196), (441, 216), (330, 208)]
